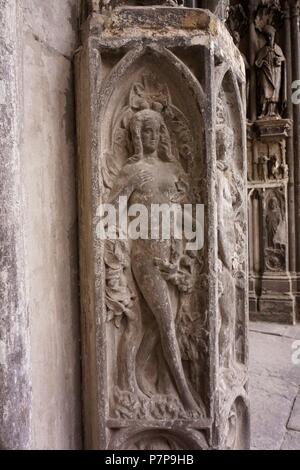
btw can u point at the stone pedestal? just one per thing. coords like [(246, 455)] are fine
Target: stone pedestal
[(161, 119)]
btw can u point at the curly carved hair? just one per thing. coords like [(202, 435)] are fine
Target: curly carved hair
[(136, 123)]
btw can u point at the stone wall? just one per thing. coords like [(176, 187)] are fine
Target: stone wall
[(50, 221), (39, 316)]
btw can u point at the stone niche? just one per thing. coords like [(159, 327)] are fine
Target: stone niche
[(161, 119)]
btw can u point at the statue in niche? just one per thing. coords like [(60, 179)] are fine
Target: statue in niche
[(263, 162), (270, 63), (274, 220), (229, 201), (275, 252), (162, 270), (276, 167)]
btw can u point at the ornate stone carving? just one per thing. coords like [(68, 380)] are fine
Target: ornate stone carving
[(238, 24), (143, 438), (275, 252), (270, 64), (153, 174), (222, 9), (231, 238), (151, 317), (89, 7)]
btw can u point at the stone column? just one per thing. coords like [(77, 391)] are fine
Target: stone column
[(161, 119), (290, 144), (295, 11), (252, 55), (15, 395)]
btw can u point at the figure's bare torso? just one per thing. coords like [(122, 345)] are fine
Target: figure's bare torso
[(165, 186)]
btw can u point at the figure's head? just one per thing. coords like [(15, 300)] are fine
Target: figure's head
[(150, 134), (273, 204), (236, 38), (269, 33), (225, 143)]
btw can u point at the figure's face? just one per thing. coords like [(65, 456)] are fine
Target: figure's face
[(273, 204), (150, 134), (270, 39)]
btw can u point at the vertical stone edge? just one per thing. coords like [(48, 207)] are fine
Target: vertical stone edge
[(15, 383)]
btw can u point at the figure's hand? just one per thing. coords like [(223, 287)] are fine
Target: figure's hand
[(139, 178)]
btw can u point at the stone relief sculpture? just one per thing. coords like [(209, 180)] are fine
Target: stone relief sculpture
[(149, 282), (270, 63), (231, 238), (229, 203), (165, 348), (276, 233)]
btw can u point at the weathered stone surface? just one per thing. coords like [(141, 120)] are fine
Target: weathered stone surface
[(54, 23), (274, 383), (268, 428), (291, 441), (287, 331), (15, 387), (39, 333), (264, 31), (294, 421), (50, 236), (147, 130)]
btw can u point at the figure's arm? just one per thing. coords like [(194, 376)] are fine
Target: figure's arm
[(128, 180), (223, 252)]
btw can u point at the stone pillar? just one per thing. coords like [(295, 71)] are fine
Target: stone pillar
[(15, 394), (252, 54), (295, 59), (161, 119), (290, 143), (270, 156)]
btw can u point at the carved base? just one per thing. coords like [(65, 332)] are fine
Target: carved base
[(276, 303), (270, 129)]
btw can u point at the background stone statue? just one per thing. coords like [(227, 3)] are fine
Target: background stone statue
[(274, 219), (270, 63)]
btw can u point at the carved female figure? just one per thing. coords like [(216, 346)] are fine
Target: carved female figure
[(153, 176)]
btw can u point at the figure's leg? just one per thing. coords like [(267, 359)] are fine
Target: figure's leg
[(127, 352), (155, 291), (148, 345)]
